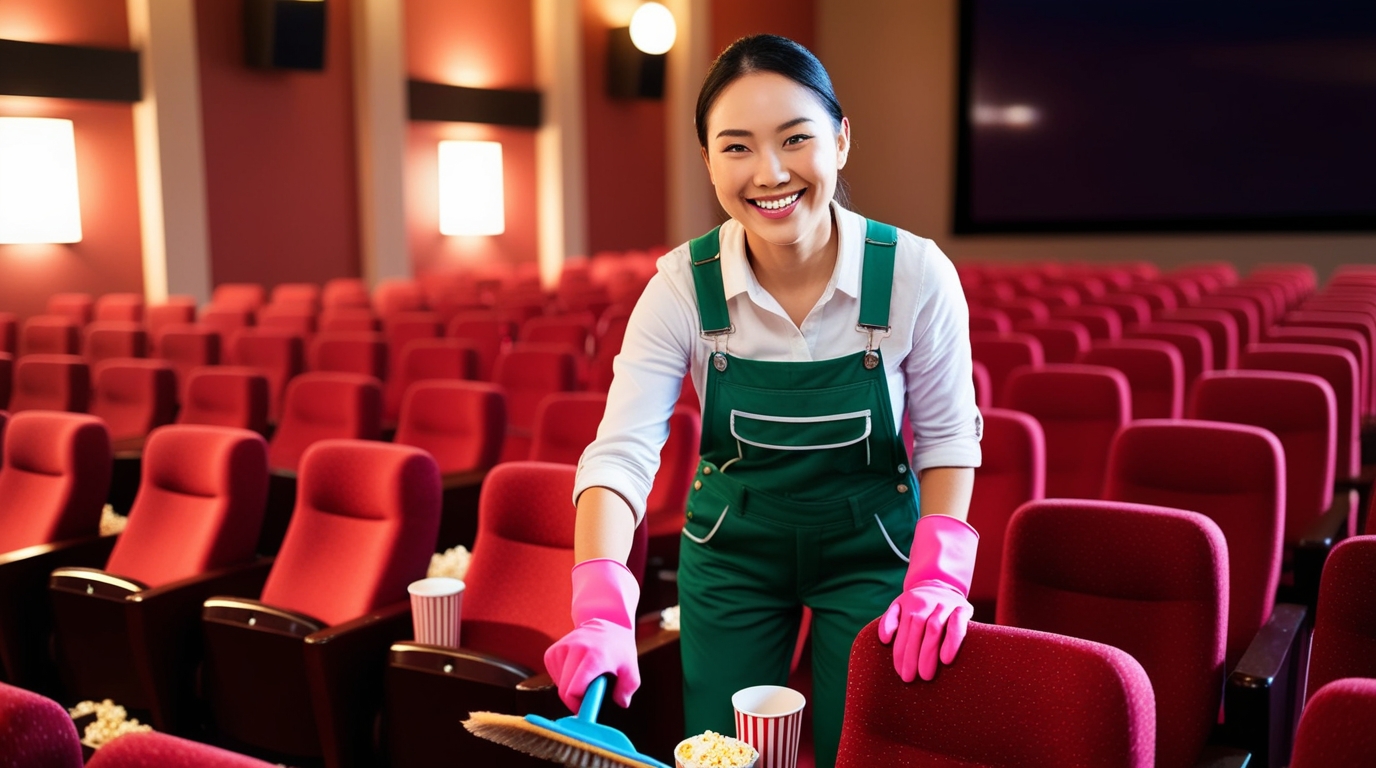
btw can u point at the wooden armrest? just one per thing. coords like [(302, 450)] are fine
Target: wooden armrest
[(464, 479), (286, 474), (458, 662), (129, 447), (240, 611), (1258, 702), (95, 583)]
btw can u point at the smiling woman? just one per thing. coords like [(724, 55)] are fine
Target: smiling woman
[(809, 330)]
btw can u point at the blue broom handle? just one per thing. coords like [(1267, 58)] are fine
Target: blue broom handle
[(592, 699)]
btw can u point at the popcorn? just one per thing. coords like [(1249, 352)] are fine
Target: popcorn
[(668, 618), (111, 721), (111, 522), (713, 750), (451, 562)]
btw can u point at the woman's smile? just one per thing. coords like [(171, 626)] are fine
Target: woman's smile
[(777, 207)]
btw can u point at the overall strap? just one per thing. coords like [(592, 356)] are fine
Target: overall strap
[(705, 252), (876, 278)]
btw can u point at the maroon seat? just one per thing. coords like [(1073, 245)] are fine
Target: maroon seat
[(1344, 643), (1244, 311), (989, 320), (1102, 323), (428, 358), (188, 347), (1339, 338), (134, 397), (1196, 348), (108, 339), (1155, 373), (565, 423), (145, 750), (1130, 309), (322, 406), (1336, 726), (36, 732), (1337, 367), (119, 308), (1159, 298), (527, 373), (79, 307), (225, 396), (50, 335), (1080, 408), (295, 671), (1221, 327), (280, 355), (1001, 353), (51, 383), (363, 353), (989, 707), (1151, 581), (1062, 340), (1012, 473)]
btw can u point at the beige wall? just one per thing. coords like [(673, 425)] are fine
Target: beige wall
[(894, 67)]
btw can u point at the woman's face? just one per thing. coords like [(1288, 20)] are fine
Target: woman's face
[(772, 154)]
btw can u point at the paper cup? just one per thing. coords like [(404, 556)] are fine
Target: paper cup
[(436, 605), (770, 719)]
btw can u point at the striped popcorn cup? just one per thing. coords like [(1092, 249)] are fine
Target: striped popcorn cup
[(770, 719), (435, 607)]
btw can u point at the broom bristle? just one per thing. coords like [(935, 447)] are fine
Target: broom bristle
[(525, 736)]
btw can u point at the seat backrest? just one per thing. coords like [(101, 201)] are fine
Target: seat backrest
[(1151, 581), (1344, 643), (1335, 728), (1340, 338), (1244, 312), (9, 333), (199, 505), (226, 396), (1080, 407), (340, 292), (36, 732), (1130, 309), (360, 352), (187, 347), (1102, 323), (565, 423), (1159, 298), (365, 524), (280, 355), (150, 748), (1062, 340), (305, 295), (1336, 366), (54, 479), (678, 464), (395, 295), (1220, 326), (461, 423), (527, 373), (293, 318), (248, 296), (990, 707), (1013, 472), (1263, 301), (1155, 373), (6, 378), (402, 327), (574, 330), (1196, 348), (1300, 410), (1232, 473), (51, 383), (80, 307), (1001, 353), (323, 406), (50, 335), (119, 307), (349, 320), (134, 397), (178, 310), (989, 320), (429, 358)]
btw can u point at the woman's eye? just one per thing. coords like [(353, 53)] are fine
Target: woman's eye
[(796, 139), (734, 148)]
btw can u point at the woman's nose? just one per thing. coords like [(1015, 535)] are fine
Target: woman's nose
[(770, 170)]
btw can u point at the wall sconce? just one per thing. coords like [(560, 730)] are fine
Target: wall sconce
[(38, 192), (635, 54), (471, 188)]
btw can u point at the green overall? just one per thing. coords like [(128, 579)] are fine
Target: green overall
[(803, 497)]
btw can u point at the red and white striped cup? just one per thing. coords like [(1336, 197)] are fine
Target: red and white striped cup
[(436, 605), (770, 719)]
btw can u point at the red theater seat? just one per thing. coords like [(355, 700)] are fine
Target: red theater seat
[(489, 334), (342, 292), (1196, 348), (363, 353), (668, 499), (178, 310), (572, 330), (396, 295), (1001, 353), (1080, 408), (78, 307), (224, 396), (36, 732), (280, 355), (50, 335), (527, 373), (349, 320), (51, 383), (292, 318), (991, 706), (1336, 726), (1245, 313), (248, 296), (1337, 367), (1155, 373), (423, 359), (1220, 326), (226, 321), (565, 423), (1344, 643), (9, 333), (188, 347), (306, 295), (160, 750), (1062, 340), (134, 397), (1102, 323), (108, 339), (119, 308), (1013, 472), (6, 378), (322, 406)]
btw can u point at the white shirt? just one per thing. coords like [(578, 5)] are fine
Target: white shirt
[(926, 353)]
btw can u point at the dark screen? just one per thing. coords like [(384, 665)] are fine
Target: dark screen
[(1167, 114)]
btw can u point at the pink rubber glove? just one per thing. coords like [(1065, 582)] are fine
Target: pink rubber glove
[(603, 637), (930, 616)]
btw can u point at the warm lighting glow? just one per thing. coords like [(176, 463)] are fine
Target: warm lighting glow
[(471, 188), (1011, 116), (38, 194), (653, 29)]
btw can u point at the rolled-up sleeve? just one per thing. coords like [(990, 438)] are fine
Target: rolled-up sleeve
[(647, 376), (946, 423)]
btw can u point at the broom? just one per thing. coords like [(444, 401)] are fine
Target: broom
[(575, 741)]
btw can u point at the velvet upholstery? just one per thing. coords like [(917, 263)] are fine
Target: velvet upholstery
[(1155, 372), (1001, 353), (1080, 407), (322, 406), (134, 397), (1344, 643), (54, 479), (461, 423)]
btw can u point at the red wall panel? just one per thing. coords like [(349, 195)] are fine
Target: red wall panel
[(732, 19), (279, 149), (96, 23)]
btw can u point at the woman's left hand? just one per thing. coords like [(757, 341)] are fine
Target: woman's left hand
[(928, 619)]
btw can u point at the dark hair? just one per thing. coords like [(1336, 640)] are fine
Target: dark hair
[(765, 53)]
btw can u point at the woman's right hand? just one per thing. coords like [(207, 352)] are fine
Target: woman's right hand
[(603, 638)]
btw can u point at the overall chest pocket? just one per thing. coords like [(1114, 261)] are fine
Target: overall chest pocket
[(839, 441)]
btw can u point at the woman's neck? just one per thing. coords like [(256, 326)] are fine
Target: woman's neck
[(795, 274)]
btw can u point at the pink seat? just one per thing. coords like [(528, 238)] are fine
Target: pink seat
[(1232, 473), (1196, 348), (1344, 643), (247, 296), (989, 320), (1220, 326), (1023, 309), (1335, 728), (565, 423), (489, 333), (1339, 369), (342, 292), (989, 707), (1244, 311), (188, 347), (51, 383), (1339, 338), (349, 320), (1155, 373), (1130, 309), (50, 335), (324, 406), (363, 353), (1360, 322), (53, 482), (1062, 340), (278, 354), (1263, 301), (1102, 323), (1013, 472), (109, 339), (134, 397), (36, 732), (1151, 581), (461, 423), (527, 373), (984, 386), (119, 308), (1080, 408), (423, 359), (225, 396), (1001, 353), (146, 750), (78, 307)]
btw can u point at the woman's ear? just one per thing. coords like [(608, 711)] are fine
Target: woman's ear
[(842, 144), (707, 163)]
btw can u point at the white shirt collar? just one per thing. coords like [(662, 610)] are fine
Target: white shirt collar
[(738, 278)]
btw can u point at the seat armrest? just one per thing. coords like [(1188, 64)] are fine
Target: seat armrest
[(344, 666), (1336, 523), (1258, 702), (458, 662), (463, 479), (95, 583), (287, 474), (91, 552), (240, 611)]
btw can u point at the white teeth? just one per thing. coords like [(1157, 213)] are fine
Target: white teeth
[(774, 205)]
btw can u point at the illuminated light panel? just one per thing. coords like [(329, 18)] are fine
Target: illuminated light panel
[(653, 29), (38, 191), (471, 188), (1011, 116)]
